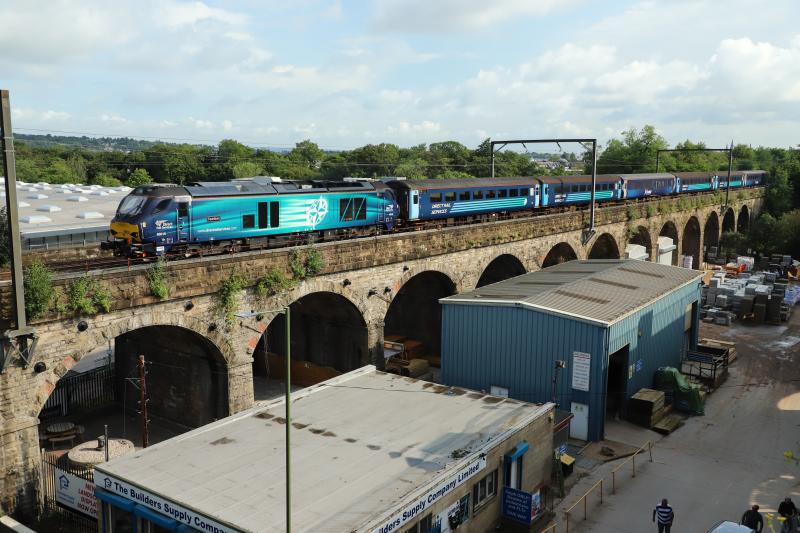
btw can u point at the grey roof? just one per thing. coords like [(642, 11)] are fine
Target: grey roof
[(362, 445), (46, 209), (597, 290)]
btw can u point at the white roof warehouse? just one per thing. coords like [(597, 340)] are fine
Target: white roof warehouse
[(371, 452)]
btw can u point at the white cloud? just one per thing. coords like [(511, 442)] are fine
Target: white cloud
[(422, 16), (201, 124), (425, 127), (227, 125), (113, 118), (178, 14), (27, 118)]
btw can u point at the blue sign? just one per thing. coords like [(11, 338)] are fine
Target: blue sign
[(639, 365), (517, 505)]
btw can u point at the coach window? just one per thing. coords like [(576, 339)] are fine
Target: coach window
[(248, 221), (477, 195), (450, 196), (436, 197), (463, 196), (490, 194), (502, 193), (523, 192), (513, 193)]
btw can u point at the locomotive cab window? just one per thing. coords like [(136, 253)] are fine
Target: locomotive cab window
[(436, 197), (162, 205), (463, 196), (248, 221), (183, 209)]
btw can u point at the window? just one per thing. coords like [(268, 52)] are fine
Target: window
[(162, 205), (450, 196), (263, 219), (183, 209), (415, 199), (502, 193), (248, 221), (352, 209), (477, 195), (423, 526), (485, 489), (523, 192), (490, 194), (463, 196), (436, 197), (513, 193), (274, 214)]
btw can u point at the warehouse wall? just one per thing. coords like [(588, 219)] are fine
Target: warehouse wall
[(517, 348), (661, 342)]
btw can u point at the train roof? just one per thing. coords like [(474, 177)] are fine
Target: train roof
[(649, 176), (463, 183), (587, 178), (251, 187), (684, 175)]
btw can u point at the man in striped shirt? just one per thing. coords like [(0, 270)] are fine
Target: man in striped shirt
[(665, 516)]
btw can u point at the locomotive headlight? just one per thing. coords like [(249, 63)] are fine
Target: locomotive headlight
[(144, 224)]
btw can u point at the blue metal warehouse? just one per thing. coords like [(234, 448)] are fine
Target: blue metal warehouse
[(588, 333)]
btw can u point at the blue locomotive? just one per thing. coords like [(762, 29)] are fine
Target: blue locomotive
[(262, 211)]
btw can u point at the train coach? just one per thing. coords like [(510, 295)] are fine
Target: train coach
[(156, 219)]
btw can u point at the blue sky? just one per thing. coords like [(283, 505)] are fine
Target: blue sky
[(405, 71)]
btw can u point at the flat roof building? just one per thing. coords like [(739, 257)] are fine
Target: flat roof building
[(371, 452), (64, 215), (599, 328)]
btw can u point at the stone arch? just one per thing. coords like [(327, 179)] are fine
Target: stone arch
[(690, 243), (743, 221), (729, 221), (415, 313), (604, 247), (560, 253), (642, 238), (502, 267), (711, 236), (669, 229), (98, 338), (328, 332)]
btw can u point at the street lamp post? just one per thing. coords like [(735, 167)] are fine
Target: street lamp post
[(286, 311)]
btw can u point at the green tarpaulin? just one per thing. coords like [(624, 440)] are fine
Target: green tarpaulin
[(686, 396)]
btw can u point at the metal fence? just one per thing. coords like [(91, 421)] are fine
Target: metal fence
[(55, 499), (81, 392)]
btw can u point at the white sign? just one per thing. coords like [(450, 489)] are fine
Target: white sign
[(581, 370), (423, 502), (75, 492), (158, 504)]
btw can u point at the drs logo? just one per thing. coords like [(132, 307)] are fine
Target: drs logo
[(316, 211)]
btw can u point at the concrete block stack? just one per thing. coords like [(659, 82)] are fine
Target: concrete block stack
[(761, 296)]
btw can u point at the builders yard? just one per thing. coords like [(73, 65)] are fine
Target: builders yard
[(744, 450)]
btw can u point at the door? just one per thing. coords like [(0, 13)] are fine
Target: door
[(413, 205), (617, 388), (579, 425), (184, 229), (536, 197)]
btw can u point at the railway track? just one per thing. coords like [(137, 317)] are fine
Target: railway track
[(107, 263)]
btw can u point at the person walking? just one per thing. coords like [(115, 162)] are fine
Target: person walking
[(665, 515), (787, 508), (753, 519)]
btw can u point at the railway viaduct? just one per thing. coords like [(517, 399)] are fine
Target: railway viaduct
[(204, 368)]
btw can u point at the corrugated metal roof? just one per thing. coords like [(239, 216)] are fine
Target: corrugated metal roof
[(362, 444), (597, 290)]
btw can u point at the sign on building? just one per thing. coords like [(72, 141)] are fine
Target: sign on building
[(581, 370), (75, 492), (521, 506)]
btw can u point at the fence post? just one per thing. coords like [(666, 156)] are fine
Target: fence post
[(613, 482), (601, 492), (650, 449), (584, 506), (566, 520)]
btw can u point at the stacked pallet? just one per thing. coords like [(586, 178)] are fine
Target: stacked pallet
[(725, 345), (646, 408)]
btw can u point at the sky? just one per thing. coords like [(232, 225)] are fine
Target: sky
[(345, 74)]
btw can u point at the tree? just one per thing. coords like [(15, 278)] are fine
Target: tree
[(138, 177), (636, 152), (106, 180), (451, 174), (779, 192), (58, 172), (308, 153), (247, 169), (413, 169)]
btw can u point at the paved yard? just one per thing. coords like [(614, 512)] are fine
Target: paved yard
[(716, 465)]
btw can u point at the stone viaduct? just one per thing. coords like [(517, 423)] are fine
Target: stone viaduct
[(203, 368)]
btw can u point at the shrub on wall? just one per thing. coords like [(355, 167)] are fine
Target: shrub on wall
[(38, 287)]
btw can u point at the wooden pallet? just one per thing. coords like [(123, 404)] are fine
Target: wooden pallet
[(668, 424)]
